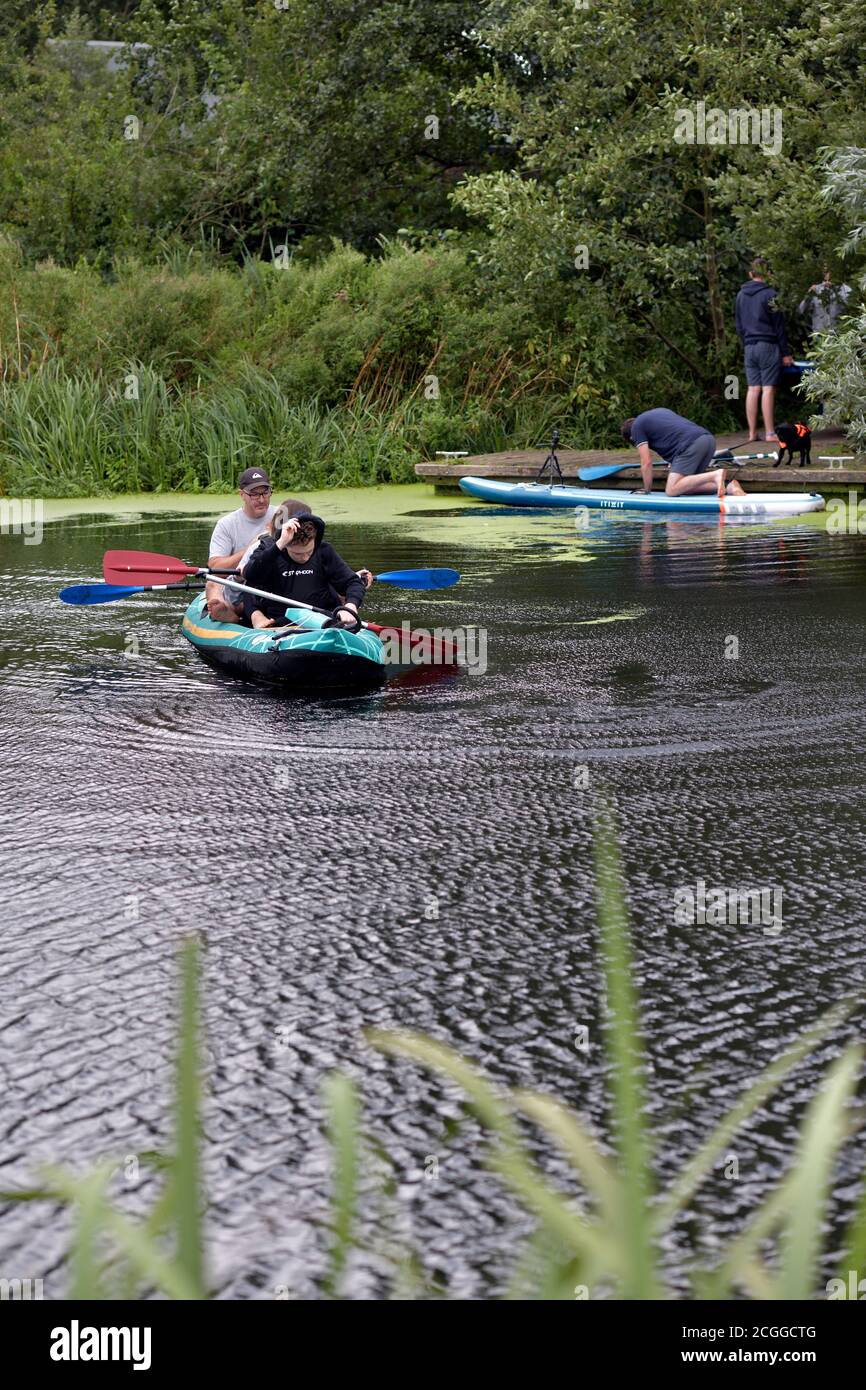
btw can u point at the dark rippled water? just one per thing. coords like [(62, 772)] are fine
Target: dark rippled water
[(430, 867)]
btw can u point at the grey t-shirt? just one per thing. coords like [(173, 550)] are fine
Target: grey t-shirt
[(236, 531)]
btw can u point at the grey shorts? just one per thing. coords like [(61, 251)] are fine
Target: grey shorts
[(763, 364), (697, 458)]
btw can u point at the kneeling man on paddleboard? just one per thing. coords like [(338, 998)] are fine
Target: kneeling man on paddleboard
[(687, 448)]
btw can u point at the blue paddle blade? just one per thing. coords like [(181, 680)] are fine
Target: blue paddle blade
[(604, 470), (98, 593), (420, 579)]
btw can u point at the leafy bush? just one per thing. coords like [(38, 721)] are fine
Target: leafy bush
[(347, 371), (839, 381)]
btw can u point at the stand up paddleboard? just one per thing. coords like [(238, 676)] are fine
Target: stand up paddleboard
[(759, 505)]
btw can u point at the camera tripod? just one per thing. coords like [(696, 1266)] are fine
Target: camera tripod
[(551, 463)]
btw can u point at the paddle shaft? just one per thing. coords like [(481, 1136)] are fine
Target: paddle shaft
[(589, 475), (263, 593), (223, 577), (154, 588)]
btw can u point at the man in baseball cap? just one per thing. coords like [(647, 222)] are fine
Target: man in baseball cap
[(232, 536)]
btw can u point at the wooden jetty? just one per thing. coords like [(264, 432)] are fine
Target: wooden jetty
[(828, 475)]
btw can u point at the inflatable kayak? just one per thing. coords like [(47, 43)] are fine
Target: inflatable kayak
[(332, 659), (755, 504)]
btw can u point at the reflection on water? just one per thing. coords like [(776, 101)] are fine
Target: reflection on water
[(421, 857)]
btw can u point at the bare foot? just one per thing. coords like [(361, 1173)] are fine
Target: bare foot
[(222, 612), (720, 483), (734, 489)]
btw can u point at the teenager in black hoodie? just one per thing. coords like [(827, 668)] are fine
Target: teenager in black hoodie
[(297, 562), (761, 329)]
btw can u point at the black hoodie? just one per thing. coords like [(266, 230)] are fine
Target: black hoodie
[(324, 580), (758, 319)]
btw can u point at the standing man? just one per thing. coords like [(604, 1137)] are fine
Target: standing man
[(687, 447), (231, 537), (761, 329)]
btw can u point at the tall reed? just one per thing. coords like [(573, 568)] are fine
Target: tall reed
[(67, 435)]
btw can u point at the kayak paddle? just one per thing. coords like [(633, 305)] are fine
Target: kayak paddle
[(149, 568), (152, 567), (727, 457), (419, 579), (108, 593), (607, 470), (144, 566)]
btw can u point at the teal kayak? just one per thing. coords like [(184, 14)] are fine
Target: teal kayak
[(329, 659), (758, 505)]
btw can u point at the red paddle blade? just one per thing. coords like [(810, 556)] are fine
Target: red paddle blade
[(437, 652), (143, 567)]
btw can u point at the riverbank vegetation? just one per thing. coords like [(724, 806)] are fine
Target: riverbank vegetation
[(505, 227), (598, 1231)]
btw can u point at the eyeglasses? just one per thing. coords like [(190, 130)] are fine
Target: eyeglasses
[(259, 492)]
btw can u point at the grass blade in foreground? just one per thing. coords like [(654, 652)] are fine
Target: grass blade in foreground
[(808, 1185), (507, 1157), (187, 1180), (84, 1263), (699, 1166), (142, 1249), (796, 1206), (625, 1052), (345, 1137)]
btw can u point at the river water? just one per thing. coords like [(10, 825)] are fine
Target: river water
[(421, 857)]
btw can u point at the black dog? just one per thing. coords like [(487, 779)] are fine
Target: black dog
[(795, 437)]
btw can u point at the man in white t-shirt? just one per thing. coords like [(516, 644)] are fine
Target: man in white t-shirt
[(231, 537)]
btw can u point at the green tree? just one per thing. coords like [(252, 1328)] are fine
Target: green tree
[(88, 168), (260, 123), (614, 215), (334, 117)]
